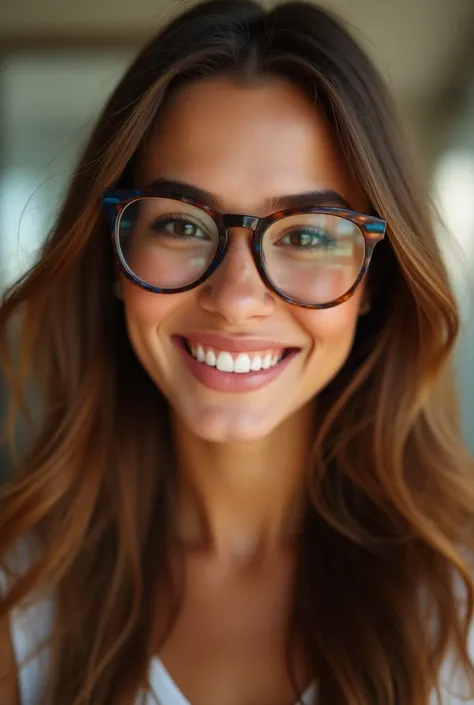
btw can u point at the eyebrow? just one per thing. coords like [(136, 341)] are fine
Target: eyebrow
[(297, 200)]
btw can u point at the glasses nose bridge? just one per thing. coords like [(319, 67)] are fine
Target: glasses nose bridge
[(234, 220), (246, 222)]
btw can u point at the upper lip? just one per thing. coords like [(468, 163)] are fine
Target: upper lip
[(234, 343)]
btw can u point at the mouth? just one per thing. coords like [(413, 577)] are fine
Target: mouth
[(236, 362), (234, 370)]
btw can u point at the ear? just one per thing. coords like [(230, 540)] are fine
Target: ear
[(365, 307)]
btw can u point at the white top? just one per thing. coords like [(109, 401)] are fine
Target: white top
[(168, 692), (32, 625)]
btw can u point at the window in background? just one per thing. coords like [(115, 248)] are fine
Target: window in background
[(453, 186), (48, 105)]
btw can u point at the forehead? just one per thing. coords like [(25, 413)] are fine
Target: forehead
[(246, 144)]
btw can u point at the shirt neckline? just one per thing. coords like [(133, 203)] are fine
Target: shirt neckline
[(162, 681)]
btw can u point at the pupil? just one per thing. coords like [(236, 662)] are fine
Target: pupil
[(183, 228), (301, 239)]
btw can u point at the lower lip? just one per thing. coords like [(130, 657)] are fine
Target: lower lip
[(230, 381)]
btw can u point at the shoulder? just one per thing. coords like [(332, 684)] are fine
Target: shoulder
[(454, 682), (24, 632)]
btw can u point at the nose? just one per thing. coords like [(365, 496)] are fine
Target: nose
[(235, 290)]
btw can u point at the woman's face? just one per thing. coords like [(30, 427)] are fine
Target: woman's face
[(247, 146)]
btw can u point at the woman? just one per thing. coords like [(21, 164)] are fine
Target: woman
[(245, 483)]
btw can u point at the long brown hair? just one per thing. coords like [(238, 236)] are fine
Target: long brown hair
[(385, 587)]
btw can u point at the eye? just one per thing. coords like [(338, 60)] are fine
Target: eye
[(307, 239), (179, 227)]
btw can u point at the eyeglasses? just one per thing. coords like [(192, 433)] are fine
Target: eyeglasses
[(314, 257)]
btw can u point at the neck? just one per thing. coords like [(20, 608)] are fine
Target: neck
[(238, 501)]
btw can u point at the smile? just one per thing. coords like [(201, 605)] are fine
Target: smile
[(234, 370), (238, 363)]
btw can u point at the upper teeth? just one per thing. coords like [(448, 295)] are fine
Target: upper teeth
[(235, 362)]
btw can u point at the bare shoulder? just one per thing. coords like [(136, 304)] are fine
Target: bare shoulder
[(8, 673)]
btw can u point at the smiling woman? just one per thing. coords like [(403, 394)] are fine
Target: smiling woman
[(245, 483)]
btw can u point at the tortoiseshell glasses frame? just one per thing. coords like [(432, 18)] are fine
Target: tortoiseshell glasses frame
[(371, 227)]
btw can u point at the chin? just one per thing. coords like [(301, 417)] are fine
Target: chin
[(221, 424)]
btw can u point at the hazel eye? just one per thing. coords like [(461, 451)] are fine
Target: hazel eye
[(179, 228), (306, 239)]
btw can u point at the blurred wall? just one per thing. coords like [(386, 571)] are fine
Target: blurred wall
[(453, 189)]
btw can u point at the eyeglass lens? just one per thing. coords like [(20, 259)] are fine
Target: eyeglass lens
[(313, 258)]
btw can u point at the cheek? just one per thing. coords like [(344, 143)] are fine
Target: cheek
[(146, 317), (332, 323), (332, 332), (146, 311)]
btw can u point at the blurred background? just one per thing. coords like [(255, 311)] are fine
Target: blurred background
[(60, 60)]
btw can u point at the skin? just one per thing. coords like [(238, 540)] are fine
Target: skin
[(241, 456)]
